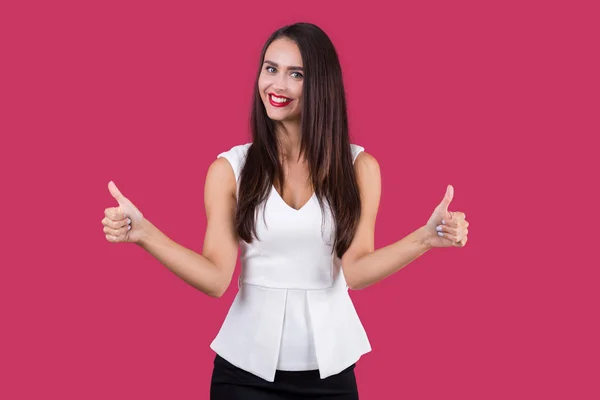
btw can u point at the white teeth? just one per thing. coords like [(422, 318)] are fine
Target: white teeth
[(279, 100)]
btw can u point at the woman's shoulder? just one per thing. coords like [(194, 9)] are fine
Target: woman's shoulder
[(238, 149), (356, 150), (236, 156)]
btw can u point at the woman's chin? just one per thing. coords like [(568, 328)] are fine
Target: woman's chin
[(280, 118), (275, 117)]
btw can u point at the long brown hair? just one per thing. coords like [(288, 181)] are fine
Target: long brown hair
[(325, 141)]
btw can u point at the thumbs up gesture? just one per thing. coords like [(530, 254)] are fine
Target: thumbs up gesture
[(122, 223), (446, 228)]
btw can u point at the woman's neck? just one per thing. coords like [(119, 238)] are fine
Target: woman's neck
[(288, 138)]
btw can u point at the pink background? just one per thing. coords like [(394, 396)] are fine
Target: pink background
[(499, 100)]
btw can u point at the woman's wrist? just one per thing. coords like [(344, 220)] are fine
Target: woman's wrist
[(147, 231), (425, 236)]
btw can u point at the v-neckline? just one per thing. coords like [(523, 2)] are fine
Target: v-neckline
[(287, 205)]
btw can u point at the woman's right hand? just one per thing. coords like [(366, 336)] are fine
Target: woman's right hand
[(122, 223)]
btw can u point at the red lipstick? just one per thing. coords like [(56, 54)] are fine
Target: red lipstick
[(279, 105)]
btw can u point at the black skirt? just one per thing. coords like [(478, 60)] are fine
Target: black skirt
[(229, 382)]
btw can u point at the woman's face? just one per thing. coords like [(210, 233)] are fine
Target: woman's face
[(280, 81)]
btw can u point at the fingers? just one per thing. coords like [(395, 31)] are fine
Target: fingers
[(457, 222), (457, 215), (452, 223), (115, 213), (117, 231), (455, 229), (461, 230), (116, 225), (460, 243), (447, 230), (456, 235), (115, 239), (449, 236)]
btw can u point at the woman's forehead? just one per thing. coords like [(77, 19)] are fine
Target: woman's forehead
[(284, 53)]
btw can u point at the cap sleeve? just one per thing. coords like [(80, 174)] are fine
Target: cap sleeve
[(356, 149), (236, 157)]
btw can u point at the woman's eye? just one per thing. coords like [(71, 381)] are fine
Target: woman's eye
[(272, 69)]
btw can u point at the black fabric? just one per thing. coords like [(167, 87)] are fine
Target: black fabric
[(229, 382)]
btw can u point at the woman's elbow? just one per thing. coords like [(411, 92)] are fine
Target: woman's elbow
[(218, 290), (351, 281), (356, 285)]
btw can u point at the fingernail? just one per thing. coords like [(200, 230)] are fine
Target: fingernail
[(438, 228), (129, 220), (440, 233), (443, 222), (128, 227)]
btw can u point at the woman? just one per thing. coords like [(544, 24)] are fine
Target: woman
[(301, 201)]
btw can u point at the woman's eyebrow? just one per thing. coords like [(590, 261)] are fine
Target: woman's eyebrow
[(289, 68)]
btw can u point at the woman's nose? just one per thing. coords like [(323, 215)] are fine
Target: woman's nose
[(280, 82)]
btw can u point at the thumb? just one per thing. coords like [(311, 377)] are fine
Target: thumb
[(447, 198), (116, 193)]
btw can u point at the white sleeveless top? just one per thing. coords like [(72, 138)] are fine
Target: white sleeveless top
[(292, 310)]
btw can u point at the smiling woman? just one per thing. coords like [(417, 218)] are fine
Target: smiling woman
[(277, 336), (301, 202), (281, 80)]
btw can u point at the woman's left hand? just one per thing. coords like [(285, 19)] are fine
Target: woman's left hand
[(446, 228)]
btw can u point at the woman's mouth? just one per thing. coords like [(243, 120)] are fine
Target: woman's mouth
[(277, 101)]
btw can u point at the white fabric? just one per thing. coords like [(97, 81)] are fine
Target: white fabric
[(292, 310)]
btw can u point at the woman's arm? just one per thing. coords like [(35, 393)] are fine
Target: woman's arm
[(361, 263), (211, 271)]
